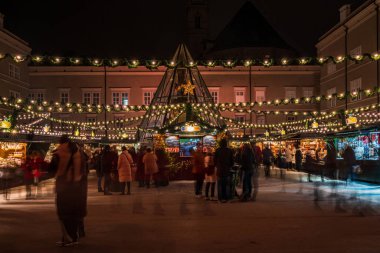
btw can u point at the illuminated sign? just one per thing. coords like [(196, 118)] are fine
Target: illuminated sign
[(314, 124), (5, 124), (190, 127), (351, 120)]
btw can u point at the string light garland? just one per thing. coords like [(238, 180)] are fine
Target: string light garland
[(152, 64)]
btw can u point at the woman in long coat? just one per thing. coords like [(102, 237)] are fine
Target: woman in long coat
[(124, 165), (150, 164), (71, 195)]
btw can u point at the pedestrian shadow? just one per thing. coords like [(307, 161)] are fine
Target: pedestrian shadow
[(137, 206), (183, 209), (207, 209), (158, 209)]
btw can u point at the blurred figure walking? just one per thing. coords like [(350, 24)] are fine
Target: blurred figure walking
[(210, 175), (140, 174), (198, 161), (71, 198), (224, 160), (267, 160), (150, 164), (108, 165), (247, 166)]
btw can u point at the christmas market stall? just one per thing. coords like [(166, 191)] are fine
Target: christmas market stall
[(174, 122), (366, 146)]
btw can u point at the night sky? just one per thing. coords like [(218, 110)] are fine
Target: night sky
[(151, 28)]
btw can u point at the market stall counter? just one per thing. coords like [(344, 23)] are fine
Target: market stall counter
[(366, 145)]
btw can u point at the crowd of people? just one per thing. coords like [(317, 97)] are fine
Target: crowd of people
[(117, 171), (220, 170)]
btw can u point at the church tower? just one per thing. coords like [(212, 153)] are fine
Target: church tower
[(196, 26)]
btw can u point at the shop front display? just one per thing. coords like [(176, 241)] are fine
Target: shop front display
[(12, 154), (366, 146)]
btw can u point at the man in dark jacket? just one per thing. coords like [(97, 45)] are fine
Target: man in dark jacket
[(224, 160), (349, 161), (247, 166), (108, 164), (267, 160), (298, 158)]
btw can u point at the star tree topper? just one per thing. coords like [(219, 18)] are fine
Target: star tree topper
[(188, 88)]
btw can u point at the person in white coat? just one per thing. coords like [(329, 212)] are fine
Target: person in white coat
[(288, 158)]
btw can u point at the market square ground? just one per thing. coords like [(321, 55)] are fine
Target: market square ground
[(285, 218)]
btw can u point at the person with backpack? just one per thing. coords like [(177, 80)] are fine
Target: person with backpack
[(210, 177), (124, 167), (71, 190)]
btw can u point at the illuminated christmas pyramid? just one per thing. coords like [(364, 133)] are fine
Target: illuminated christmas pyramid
[(181, 85)]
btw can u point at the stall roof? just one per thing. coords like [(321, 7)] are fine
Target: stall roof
[(299, 136)]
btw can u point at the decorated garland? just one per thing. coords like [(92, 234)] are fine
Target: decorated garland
[(38, 60)]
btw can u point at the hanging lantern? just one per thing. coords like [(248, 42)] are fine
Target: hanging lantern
[(266, 133), (314, 125), (351, 120), (5, 124), (283, 132), (76, 132)]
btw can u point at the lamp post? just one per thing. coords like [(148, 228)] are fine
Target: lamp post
[(250, 98), (105, 101)]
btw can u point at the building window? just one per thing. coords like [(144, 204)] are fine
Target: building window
[(290, 92), (124, 98), (331, 67), (291, 118), (64, 96), (120, 98), (332, 102), (214, 94), (96, 98), (356, 86), (115, 98), (37, 95), (91, 119), (240, 118), (240, 95), (260, 119), (356, 51), (91, 98), (308, 92), (87, 98), (14, 71), (148, 95), (260, 96), (14, 94)]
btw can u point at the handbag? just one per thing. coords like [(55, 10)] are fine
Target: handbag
[(357, 169), (133, 167)]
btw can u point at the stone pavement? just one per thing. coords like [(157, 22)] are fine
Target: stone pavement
[(285, 218)]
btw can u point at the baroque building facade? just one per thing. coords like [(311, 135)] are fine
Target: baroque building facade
[(136, 86)]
